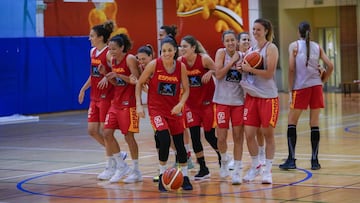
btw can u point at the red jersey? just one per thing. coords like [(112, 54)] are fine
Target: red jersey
[(200, 94), (164, 89), (124, 93), (97, 94)]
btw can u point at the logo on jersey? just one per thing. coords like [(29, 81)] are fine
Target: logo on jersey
[(167, 89), (195, 81), (95, 71), (233, 76), (120, 82)]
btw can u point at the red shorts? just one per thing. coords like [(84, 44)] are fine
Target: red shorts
[(203, 117), (310, 96), (125, 119), (98, 110), (175, 124), (261, 112), (225, 113)]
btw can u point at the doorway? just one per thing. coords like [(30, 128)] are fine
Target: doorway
[(327, 40)]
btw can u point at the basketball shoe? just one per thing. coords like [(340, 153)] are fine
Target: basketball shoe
[(186, 184), (202, 174), (266, 177), (315, 164), (236, 177), (289, 164), (110, 167), (119, 173), (252, 173), (135, 176)]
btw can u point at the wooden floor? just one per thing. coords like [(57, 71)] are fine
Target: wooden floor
[(54, 160)]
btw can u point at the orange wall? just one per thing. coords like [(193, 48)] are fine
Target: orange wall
[(136, 18)]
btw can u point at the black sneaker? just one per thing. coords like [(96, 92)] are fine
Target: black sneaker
[(202, 174), (161, 186), (315, 164), (289, 164), (186, 184)]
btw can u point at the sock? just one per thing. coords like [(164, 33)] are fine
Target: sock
[(162, 168), (184, 170), (255, 161), (219, 157), (315, 139), (268, 165), (201, 161), (291, 137), (136, 164), (223, 157), (238, 166)]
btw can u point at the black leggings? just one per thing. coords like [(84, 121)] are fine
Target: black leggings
[(163, 138)]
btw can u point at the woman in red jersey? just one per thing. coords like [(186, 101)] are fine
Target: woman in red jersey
[(165, 76), (100, 96), (199, 108), (122, 112)]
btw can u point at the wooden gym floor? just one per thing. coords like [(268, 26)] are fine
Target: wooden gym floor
[(55, 160)]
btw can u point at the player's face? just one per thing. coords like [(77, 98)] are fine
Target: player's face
[(230, 42), (94, 38), (168, 51), (244, 42), (143, 59), (259, 31), (162, 34), (114, 49), (187, 49)]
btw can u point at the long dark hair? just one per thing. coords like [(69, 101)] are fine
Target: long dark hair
[(104, 30), (304, 30)]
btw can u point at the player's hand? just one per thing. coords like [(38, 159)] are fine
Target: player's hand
[(81, 97), (176, 110), (206, 77), (103, 83), (140, 111)]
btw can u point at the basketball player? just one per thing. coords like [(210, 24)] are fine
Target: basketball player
[(100, 97), (122, 113), (229, 100), (199, 108), (165, 75), (262, 102), (305, 90)]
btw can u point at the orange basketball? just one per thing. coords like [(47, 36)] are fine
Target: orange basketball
[(254, 59), (172, 179)]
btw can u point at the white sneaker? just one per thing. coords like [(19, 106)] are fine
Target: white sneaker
[(224, 170), (231, 165), (236, 178), (123, 155), (109, 170), (252, 173), (119, 173), (266, 178), (134, 177)]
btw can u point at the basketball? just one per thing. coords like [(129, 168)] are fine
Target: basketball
[(254, 59), (172, 179)]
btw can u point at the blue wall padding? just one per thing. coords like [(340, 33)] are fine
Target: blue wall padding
[(43, 75)]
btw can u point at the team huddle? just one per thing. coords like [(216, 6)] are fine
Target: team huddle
[(188, 92)]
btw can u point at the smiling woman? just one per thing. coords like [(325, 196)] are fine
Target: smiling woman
[(165, 76)]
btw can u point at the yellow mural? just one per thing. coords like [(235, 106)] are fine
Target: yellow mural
[(228, 12), (103, 12)]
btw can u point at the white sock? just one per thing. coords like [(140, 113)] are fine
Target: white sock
[(223, 157), (261, 149), (184, 170), (238, 165), (255, 161), (136, 164), (162, 168), (118, 159), (268, 165)]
